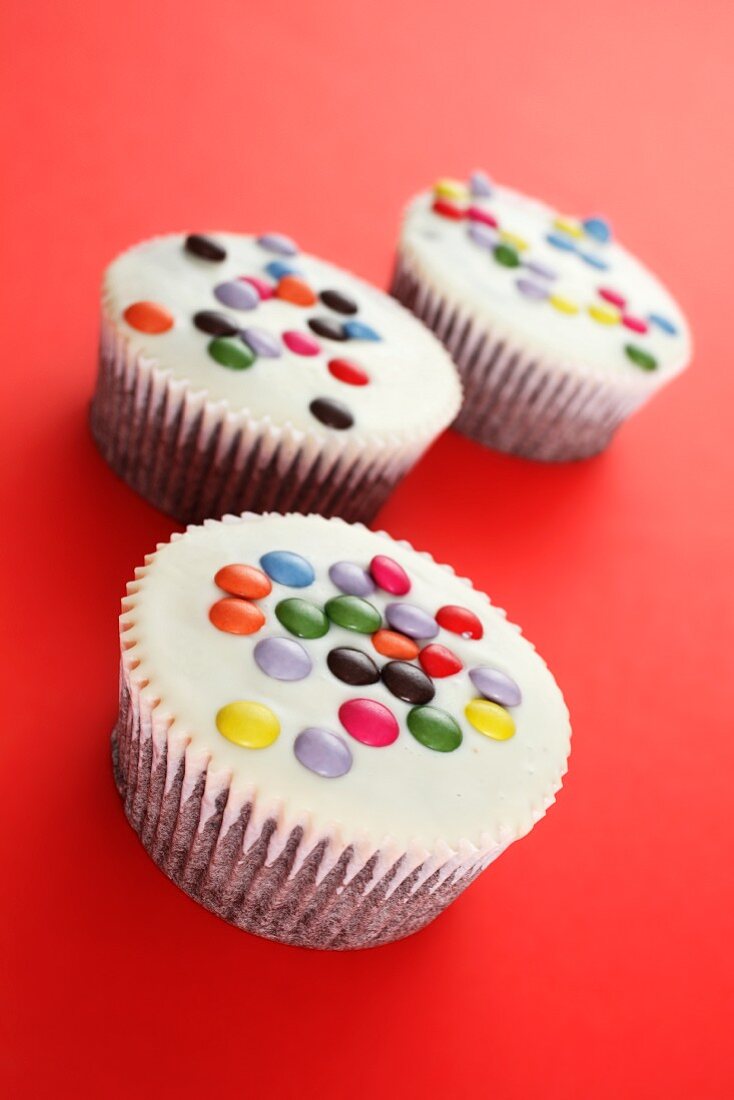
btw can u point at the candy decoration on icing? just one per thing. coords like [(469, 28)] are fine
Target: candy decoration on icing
[(543, 271), (534, 291), (282, 659), (573, 229), (434, 728), (264, 290), (598, 228), (438, 661), (594, 261), (328, 328), (237, 294), (353, 613), (248, 724), (323, 752), (407, 682), (612, 296), (148, 317), (460, 620), (635, 324), (490, 719), (663, 323), (286, 567), (278, 243), (235, 356), (277, 270), (296, 291), (215, 324), (476, 214), (331, 413), (450, 189), (446, 209), (562, 241), (408, 618), (483, 236), (351, 578), (495, 685), (514, 240), (563, 305), (605, 315), (262, 342), (205, 248), (479, 185), (243, 580), (389, 576), (640, 357), (302, 618), (390, 643), (236, 616), (357, 330), (338, 301), (348, 372), (506, 255), (301, 343), (369, 722), (352, 666)]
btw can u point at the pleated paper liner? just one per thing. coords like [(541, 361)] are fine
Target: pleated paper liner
[(194, 458), (515, 400)]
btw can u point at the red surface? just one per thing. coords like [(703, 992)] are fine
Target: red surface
[(595, 959)]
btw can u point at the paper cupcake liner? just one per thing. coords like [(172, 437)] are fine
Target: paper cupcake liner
[(257, 872), (514, 399), (194, 458)]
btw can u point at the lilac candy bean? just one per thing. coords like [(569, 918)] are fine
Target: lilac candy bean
[(408, 619), (529, 289), (278, 243), (237, 295), (351, 578), (479, 185), (282, 659), (483, 235), (541, 270), (262, 342), (323, 752), (495, 685)]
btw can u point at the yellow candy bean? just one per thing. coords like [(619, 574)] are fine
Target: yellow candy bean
[(490, 719), (512, 238), (251, 725), (562, 304), (605, 315), (572, 228), (450, 189)]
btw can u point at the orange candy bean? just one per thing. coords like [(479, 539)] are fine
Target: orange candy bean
[(236, 616), (295, 290), (148, 317), (392, 644), (243, 580)]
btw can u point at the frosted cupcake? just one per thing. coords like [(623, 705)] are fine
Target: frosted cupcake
[(239, 373), (558, 332), (324, 736)]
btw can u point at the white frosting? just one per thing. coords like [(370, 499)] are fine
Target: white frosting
[(413, 386), (464, 271), (485, 792)]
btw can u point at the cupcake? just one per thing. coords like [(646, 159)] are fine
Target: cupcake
[(239, 373), (558, 332), (324, 736)]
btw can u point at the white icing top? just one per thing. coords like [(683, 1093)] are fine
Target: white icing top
[(466, 271), (487, 792), (413, 388)]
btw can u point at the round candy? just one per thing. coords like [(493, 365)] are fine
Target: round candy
[(506, 255), (351, 578), (407, 682), (483, 236), (278, 243), (593, 260), (328, 328), (439, 661), (302, 618), (352, 666), (612, 296), (536, 292), (392, 644), (243, 580), (264, 290), (476, 214), (285, 567), (496, 685), (450, 189), (562, 241), (353, 613), (215, 324), (514, 240), (446, 209), (301, 343), (237, 295), (479, 185), (563, 305), (369, 722), (640, 357), (411, 620), (605, 315), (567, 226), (459, 620), (236, 616), (276, 269), (598, 228), (251, 725), (229, 354), (434, 728), (635, 324), (262, 342), (347, 371), (331, 413), (339, 302), (282, 659), (148, 317), (541, 270), (390, 576), (356, 330), (323, 752), (663, 324), (294, 290), (205, 248), (490, 719)]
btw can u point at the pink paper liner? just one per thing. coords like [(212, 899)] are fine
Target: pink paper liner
[(516, 401), (269, 880), (193, 458)]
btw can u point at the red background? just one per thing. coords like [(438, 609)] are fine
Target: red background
[(595, 959)]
